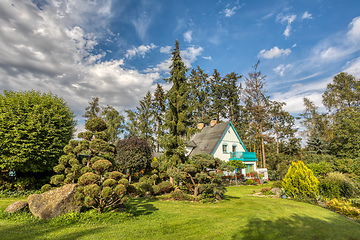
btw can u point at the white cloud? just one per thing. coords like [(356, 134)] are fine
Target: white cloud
[(354, 32), (207, 58), (274, 52), (139, 51), (42, 50), (187, 36), (166, 49), (288, 19), (190, 54), (282, 68), (306, 15), (229, 12)]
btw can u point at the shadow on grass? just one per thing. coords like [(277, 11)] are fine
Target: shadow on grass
[(141, 206), (299, 227), (42, 230)]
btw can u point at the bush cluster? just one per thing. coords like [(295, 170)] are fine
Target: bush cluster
[(338, 185)]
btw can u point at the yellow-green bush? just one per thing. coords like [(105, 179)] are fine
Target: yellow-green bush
[(344, 207), (300, 181)]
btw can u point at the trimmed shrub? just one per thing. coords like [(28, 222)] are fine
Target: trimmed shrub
[(249, 182), (300, 181), (165, 187)]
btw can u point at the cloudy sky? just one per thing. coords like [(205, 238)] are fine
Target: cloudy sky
[(117, 50)]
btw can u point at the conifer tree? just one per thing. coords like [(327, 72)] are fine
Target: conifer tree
[(114, 122), (159, 114), (200, 95), (231, 92), (177, 115), (216, 95)]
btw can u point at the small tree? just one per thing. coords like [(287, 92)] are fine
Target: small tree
[(133, 154), (300, 181), (201, 175), (89, 163)]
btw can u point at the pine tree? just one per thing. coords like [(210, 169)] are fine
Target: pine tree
[(159, 114), (177, 115)]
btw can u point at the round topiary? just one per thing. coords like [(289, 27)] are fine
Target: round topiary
[(89, 178), (95, 125)]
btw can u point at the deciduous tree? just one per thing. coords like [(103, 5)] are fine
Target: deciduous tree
[(34, 128)]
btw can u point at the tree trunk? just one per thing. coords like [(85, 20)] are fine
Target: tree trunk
[(262, 146), (172, 181)]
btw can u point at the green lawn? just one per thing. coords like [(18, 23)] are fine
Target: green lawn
[(239, 216)]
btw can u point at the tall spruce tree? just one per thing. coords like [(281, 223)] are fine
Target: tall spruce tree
[(177, 115), (159, 115), (216, 96)]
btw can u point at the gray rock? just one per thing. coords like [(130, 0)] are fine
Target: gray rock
[(16, 206), (54, 203), (277, 191)]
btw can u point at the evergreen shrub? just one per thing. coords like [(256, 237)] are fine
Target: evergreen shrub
[(300, 181)]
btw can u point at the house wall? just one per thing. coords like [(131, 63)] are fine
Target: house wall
[(230, 139)]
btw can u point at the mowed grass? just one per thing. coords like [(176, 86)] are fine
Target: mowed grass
[(239, 216)]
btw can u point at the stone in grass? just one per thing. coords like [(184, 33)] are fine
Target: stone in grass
[(16, 206), (55, 202), (277, 191)]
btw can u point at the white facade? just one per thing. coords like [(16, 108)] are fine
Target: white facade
[(230, 143)]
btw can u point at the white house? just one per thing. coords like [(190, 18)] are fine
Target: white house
[(222, 141)]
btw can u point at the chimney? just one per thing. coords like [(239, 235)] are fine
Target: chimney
[(200, 126), (213, 123)]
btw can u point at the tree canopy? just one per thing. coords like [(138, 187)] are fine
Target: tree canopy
[(34, 128)]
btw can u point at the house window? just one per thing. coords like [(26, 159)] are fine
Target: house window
[(224, 146), (234, 148)]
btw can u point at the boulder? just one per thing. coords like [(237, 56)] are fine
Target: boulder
[(277, 191), (55, 202), (16, 206)]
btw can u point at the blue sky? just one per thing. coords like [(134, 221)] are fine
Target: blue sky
[(118, 50)]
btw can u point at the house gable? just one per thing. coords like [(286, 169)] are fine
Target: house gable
[(228, 142)]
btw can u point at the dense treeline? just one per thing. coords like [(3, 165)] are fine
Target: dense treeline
[(166, 120)]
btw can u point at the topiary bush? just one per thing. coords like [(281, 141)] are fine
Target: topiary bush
[(300, 181)]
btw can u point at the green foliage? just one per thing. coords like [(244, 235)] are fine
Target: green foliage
[(344, 207), (34, 128), (178, 118), (338, 185), (249, 182), (300, 181), (200, 176), (165, 187), (159, 113), (320, 169), (133, 154), (46, 188), (114, 123), (346, 143), (95, 124)]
